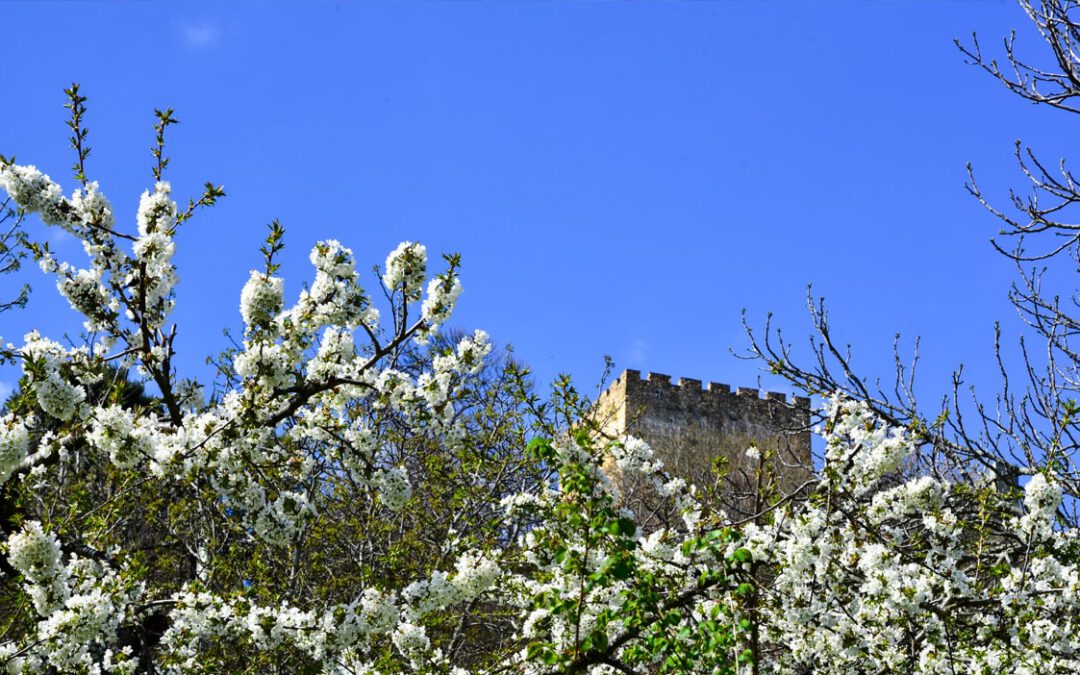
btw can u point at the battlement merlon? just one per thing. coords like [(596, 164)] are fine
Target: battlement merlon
[(660, 385)]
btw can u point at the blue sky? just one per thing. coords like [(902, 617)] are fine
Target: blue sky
[(620, 179)]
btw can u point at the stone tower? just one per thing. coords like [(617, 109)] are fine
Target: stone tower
[(696, 430)]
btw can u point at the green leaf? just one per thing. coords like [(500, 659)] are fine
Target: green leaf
[(622, 569)]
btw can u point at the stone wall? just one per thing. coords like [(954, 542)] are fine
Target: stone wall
[(697, 429)]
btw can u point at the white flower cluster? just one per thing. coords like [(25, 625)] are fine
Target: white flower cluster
[(413, 643), (341, 633), (261, 300), (442, 295), (1041, 500), (92, 208), (37, 557), (471, 352), (335, 297), (88, 295), (75, 632), (394, 487), (157, 210), (474, 574), (14, 445), (126, 440), (155, 276), (271, 365), (80, 605), (521, 504), (861, 448), (34, 192), (634, 456), (889, 579), (335, 356), (406, 267), (438, 385), (42, 360)]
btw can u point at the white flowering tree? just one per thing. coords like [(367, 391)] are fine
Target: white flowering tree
[(945, 543), (355, 496), (363, 494)]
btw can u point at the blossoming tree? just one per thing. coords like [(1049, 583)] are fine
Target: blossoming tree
[(949, 543), (170, 532), (363, 494)]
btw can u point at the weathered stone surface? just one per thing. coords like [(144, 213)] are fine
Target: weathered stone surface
[(697, 430)]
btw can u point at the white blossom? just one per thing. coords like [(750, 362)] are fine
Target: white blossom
[(157, 210), (126, 440), (34, 192), (262, 299), (406, 266), (92, 209), (442, 295), (14, 445), (394, 487), (36, 555)]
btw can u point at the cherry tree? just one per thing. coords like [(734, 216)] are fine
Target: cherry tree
[(946, 542), (172, 531), (364, 492)]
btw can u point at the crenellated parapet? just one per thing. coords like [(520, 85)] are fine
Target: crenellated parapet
[(660, 385)]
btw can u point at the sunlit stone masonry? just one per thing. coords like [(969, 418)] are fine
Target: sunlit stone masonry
[(743, 450)]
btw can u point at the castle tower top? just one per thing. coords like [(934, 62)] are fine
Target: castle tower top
[(693, 429)]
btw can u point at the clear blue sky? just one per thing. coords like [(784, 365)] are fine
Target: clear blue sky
[(620, 179)]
